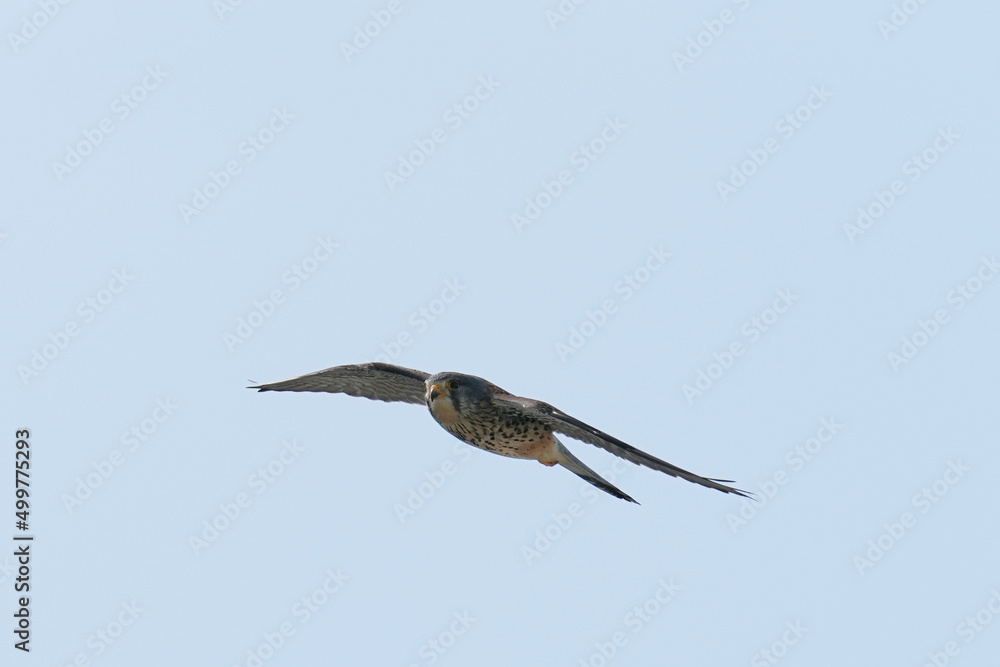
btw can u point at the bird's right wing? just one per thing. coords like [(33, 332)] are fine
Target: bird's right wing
[(560, 422), (377, 381)]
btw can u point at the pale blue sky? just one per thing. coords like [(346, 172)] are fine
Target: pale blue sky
[(756, 239)]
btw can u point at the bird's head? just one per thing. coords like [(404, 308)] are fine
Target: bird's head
[(455, 391)]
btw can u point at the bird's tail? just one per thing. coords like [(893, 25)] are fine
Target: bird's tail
[(579, 468)]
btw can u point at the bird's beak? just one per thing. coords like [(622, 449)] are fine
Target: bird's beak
[(435, 391)]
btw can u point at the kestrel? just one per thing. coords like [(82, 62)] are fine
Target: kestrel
[(483, 415)]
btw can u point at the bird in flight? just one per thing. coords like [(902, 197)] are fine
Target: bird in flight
[(485, 416)]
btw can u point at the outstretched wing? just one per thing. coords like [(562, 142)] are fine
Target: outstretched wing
[(377, 381), (560, 422)]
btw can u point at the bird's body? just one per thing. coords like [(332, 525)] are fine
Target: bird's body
[(492, 427), (484, 415)]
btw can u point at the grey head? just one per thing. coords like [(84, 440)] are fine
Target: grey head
[(465, 392)]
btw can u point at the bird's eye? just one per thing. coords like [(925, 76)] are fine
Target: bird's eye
[(452, 384)]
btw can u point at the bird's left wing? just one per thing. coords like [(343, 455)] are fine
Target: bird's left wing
[(377, 381), (560, 422)]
